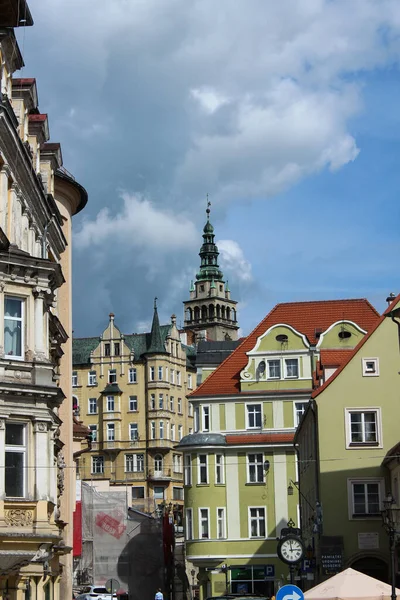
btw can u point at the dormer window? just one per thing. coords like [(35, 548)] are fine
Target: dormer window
[(107, 350), (116, 349)]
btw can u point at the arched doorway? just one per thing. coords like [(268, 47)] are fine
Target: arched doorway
[(372, 566)]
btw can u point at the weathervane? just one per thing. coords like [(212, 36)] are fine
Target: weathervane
[(208, 208)]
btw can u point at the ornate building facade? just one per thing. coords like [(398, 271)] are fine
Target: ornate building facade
[(37, 201)]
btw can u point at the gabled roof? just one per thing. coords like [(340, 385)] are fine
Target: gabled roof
[(361, 343), (305, 317)]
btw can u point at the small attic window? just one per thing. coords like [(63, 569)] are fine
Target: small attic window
[(282, 338), (344, 335)]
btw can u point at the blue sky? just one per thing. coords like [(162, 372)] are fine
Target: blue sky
[(285, 113)]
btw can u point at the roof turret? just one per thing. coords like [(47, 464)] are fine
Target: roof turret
[(156, 345), (209, 268)]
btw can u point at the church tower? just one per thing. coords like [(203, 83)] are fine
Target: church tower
[(210, 313)]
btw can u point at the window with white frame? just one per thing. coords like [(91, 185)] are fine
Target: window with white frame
[(291, 367), (134, 463), (274, 369), (161, 430), (152, 430), (196, 418), (172, 376), (93, 432), (255, 468), (171, 404), (202, 467), (221, 523), (363, 427), (74, 378), (160, 373), (15, 460), (133, 432), (219, 469), (152, 373), (110, 432), (256, 522), (112, 376), (173, 432), (204, 523), (97, 465), (160, 401), (177, 463), (205, 418), (180, 432), (370, 367), (299, 408), (110, 403), (92, 378), (189, 523), (254, 416), (190, 409), (158, 463), (190, 381), (14, 327), (152, 401), (178, 378), (133, 406), (188, 469), (92, 406), (365, 498), (132, 375), (180, 405)]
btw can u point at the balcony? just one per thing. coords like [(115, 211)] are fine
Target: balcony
[(164, 474), (161, 444)]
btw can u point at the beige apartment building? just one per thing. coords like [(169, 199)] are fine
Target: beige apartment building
[(130, 391)]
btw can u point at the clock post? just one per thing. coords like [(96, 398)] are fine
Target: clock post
[(291, 548)]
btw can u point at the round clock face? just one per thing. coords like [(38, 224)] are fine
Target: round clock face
[(291, 550)]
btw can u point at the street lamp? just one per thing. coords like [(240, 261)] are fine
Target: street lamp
[(389, 522)]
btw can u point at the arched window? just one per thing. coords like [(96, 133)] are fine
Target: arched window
[(211, 311), (204, 313), (228, 313), (188, 314), (223, 312), (158, 463), (218, 311), (233, 314), (196, 313), (75, 405)]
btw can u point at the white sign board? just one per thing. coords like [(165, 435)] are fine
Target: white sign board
[(368, 541)]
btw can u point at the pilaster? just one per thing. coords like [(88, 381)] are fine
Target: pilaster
[(42, 464)]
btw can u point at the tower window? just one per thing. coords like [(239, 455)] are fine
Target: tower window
[(202, 288)]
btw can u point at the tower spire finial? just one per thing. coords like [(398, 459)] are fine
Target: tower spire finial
[(155, 303), (208, 208)]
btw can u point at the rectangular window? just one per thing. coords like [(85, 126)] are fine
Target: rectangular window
[(300, 408), (189, 524), (188, 469), (202, 466), (110, 403), (152, 373), (366, 499), (74, 378), (205, 413), (133, 432), (132, 375), (172, 376), (190, 381), (159, 492), (196, 418), (92, 378), (180, 406), (166, 373), (178, 378), (204, 523), (292, 367), (274, 369), (97, 465), (110, 432), (92, 406), (177, 463), (221, 528), (363, 427), (255, 468), (177, 493), (13, 327), (112, 376), (93, 429), (370, 367), (172, 432), (153, 430), (134, 463), (152, 401), (171, 403), (138, 493), (219, 469), (254, 419), (257, 522), (160, 373), (160, 401), (107, 349), (180, 432), (133, 406), (117, 349), (190, 409), (15, 460), (161, 430)]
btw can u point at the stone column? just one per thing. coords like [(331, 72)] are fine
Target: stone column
[(4, 175), (40, 349), (42, 460)]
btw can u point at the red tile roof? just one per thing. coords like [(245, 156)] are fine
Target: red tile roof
[(334, 358), (356, 349), (260, 438), (305, 317)]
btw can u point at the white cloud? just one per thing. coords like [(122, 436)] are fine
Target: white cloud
[(209, 99), (233, 261)]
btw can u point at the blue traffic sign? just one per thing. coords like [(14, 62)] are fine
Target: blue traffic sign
[(289, 592)]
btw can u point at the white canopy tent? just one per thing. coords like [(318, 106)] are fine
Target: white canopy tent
[(351, 585)]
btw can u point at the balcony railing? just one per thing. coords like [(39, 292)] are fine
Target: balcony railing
[(162, 444), (163, 474)]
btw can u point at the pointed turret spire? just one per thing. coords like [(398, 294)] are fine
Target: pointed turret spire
[(209, 268), (156, 345)]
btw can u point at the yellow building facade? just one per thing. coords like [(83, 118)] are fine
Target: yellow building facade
[(130, 391)]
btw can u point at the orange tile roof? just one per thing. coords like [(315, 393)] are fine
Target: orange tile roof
[(334, 358), (356, 349), (305, 317), (260, 438)]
